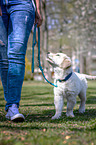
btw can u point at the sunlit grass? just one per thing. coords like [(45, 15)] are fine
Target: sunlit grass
[(37, 105)]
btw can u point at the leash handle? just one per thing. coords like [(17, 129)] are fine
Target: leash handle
[(34, 43)]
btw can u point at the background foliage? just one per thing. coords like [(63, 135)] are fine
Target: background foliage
[(69, 26)]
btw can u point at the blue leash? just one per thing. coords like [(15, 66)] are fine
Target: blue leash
[(33, 44)]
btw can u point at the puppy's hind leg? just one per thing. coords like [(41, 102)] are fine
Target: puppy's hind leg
[(82, 97), (58, 101)]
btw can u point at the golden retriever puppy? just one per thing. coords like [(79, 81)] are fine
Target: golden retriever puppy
[(69, 84)]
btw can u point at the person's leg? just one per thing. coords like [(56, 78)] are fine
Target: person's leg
[(20, 24), (3, 52)]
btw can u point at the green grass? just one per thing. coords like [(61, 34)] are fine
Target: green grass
[(37, 105)]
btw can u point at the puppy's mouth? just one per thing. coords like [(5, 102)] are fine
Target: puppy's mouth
[(50, 60)]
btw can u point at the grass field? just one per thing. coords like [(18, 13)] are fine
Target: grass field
[(37, 105)]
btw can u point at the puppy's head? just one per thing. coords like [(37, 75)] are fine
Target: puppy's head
[(59, 59)]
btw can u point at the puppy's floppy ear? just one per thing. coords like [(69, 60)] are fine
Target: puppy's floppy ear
[(66, 63)]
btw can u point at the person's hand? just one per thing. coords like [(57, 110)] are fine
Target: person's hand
[(38, 19), (0, 11)]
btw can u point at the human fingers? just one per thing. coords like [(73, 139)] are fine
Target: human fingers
[(0, 11), (38, 19)]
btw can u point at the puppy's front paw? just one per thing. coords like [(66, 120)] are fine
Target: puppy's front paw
[(81, 110), (56, 116), (69, 114)]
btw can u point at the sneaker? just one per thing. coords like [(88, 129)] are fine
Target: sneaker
[(14, 115)]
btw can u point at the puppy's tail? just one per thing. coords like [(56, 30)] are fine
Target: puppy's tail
[(89, 77)]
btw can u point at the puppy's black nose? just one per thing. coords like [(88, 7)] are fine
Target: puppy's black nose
[(48, 53)]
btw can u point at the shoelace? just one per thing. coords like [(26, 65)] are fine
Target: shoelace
[(13, 112)]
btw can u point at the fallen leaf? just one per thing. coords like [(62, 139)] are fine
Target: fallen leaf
[(67, 137), (44, 130), (62, 133), (22, 138), (8, 137), (64, 141)]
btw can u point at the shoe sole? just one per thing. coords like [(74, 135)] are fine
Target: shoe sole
[(16, 118)]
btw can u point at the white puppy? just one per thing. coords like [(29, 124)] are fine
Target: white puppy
[(69, 84)]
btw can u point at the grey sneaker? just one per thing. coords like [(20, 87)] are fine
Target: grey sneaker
[(14, 115)]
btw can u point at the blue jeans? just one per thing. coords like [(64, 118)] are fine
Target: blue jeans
[(15, 26)]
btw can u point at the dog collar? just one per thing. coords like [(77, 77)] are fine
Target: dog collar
[(66, 78)]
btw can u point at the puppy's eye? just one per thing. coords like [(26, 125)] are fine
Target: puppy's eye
[(57, 55)]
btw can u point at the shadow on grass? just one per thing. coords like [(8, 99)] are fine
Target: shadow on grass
[(36, 98), (30, 105), (91, 89), (1, 99), (2, 106), (32, 94), (47, 114), (91, 100), (22, 127), (39, 121)]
